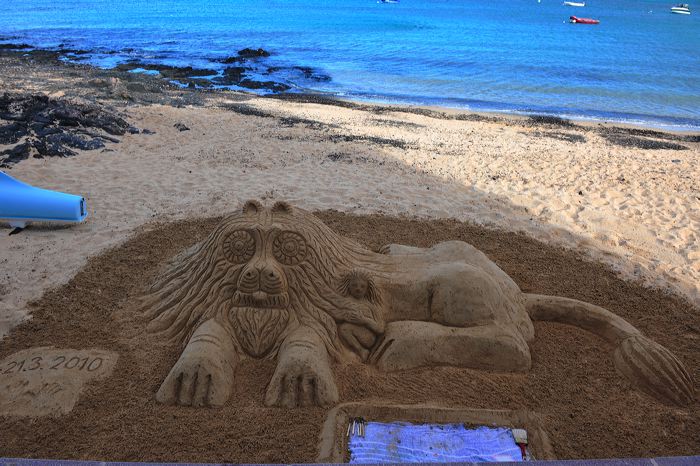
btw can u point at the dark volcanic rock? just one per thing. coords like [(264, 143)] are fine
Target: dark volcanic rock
[(15, 46), (23, 107), (269, 85), (231, 60), (136, 87), (304, 71), (190, 72), (313, 74), (12, 133), (15, 154), (245, 54), (253, 53), (232, 76), (52, 128), (171, 72), (73, 51), (51, 148), (41, 131), (238, 76), (75, 141), (181, 127), (43, 56)]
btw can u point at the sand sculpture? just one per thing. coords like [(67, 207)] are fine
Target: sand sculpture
[(277, 283)]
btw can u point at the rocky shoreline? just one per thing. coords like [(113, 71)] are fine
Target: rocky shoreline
[(248, 70), (82, 110)]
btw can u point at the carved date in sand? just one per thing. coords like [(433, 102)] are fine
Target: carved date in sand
[(277, 283)]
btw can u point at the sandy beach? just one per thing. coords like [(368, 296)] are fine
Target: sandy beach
[(591, 188), (615, 210)]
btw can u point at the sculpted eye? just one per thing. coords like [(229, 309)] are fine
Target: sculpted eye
[(239, 247), (289, 248)]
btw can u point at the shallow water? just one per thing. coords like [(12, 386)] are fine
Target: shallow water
[(640, 64)]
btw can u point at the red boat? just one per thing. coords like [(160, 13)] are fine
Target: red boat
[(574, 19)]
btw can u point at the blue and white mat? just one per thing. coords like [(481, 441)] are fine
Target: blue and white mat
[(400, 442)]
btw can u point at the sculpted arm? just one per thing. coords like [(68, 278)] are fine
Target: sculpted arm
[(203, 376), (303, 375)]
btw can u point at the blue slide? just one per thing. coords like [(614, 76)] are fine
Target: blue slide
[(21, 203)]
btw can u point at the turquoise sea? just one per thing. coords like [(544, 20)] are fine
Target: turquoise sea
[(641, 64)]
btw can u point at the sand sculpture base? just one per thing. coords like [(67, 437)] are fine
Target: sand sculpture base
[(47, 381)]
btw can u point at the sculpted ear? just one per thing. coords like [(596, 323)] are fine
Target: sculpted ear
[(282, 206), (252, 207)]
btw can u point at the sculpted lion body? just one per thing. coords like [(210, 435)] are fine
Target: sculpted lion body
[(278, 283)]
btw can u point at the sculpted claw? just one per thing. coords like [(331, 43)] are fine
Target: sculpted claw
[(297, 386), (195, 382), (303, 376)]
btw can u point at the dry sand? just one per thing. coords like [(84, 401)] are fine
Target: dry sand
[(636, 209)]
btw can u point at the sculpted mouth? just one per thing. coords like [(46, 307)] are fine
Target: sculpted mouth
[(261, 299)]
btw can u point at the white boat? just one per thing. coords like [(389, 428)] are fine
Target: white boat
[(574, 4), (681, 9)]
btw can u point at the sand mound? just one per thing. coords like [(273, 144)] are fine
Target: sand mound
[(587, 409)]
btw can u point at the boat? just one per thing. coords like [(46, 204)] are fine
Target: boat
[(21, 203), (681, 9), (387, 1), (574, 4), (574, 19)]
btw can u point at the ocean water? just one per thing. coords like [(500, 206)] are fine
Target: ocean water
[(641, 64)]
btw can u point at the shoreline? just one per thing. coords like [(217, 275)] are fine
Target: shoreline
[(456, 113), (191, 79), (660, 123)]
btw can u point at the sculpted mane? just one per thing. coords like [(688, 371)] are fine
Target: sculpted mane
[(202, 282)]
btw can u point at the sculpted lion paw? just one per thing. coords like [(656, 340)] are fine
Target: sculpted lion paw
[(196, 381), (299, 382), (654, 369)]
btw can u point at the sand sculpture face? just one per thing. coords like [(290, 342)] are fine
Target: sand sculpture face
[(277, 283)]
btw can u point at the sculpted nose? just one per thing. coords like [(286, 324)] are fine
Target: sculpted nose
[(250, 280), (270, 278), (261, 277)]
